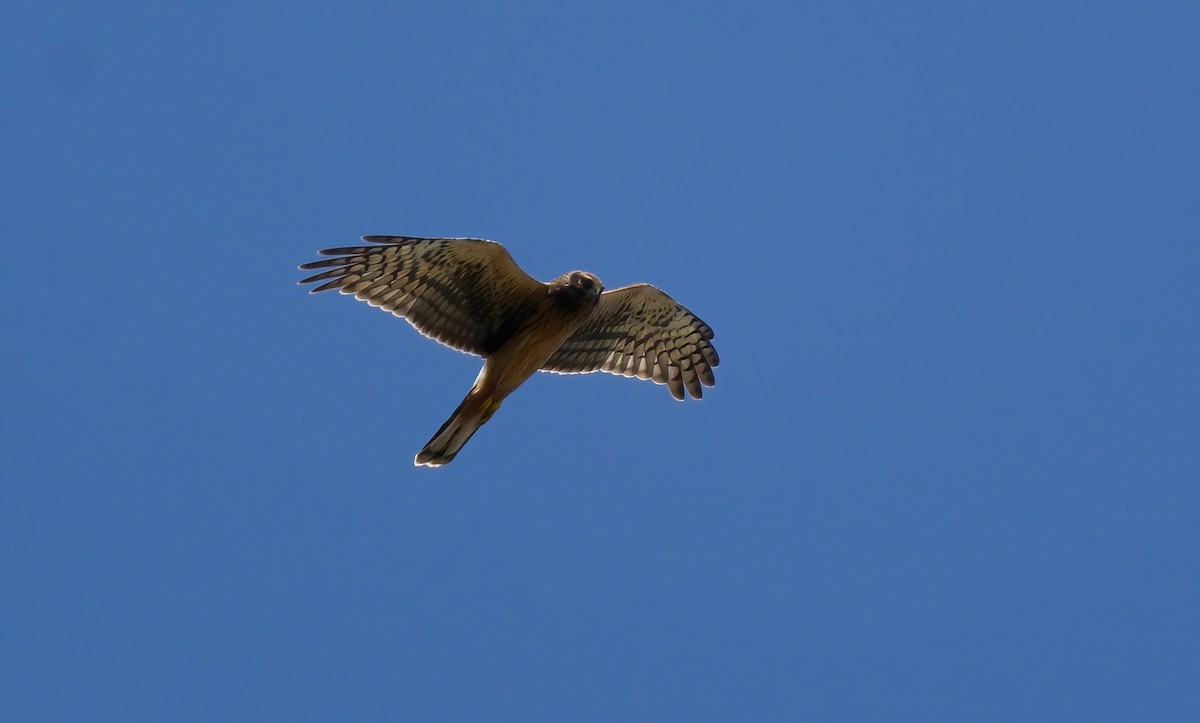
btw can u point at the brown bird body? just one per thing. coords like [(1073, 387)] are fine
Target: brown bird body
[(469, 294), (554, 316)]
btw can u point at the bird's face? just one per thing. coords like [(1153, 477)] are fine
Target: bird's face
[(576, 290), (586, 283)]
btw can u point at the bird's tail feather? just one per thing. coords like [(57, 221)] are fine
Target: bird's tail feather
[(455, 432)]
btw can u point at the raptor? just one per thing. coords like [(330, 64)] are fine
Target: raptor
[(469, 294)]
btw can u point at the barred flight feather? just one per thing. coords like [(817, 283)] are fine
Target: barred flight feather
[(448, 289), (641, 331)]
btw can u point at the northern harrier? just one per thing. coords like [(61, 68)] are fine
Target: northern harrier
[(470, 295)]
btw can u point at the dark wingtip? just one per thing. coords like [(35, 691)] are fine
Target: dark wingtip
[(329, 274), (335, 284)]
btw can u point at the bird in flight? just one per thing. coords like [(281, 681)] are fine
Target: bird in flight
[(470, 295)]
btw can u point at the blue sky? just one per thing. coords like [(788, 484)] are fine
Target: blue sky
[(947, 473)]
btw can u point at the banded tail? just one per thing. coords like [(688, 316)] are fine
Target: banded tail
[(472, 414)]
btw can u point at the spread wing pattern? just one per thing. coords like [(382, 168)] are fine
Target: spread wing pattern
[(640, 331), (466, 293)]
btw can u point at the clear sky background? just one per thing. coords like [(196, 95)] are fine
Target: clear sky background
[(948, 472)]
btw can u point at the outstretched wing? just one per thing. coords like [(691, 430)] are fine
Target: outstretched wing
[(640, 331), (466, 293)]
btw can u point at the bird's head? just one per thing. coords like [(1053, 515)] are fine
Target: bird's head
[(585, 282), (577, 288)]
